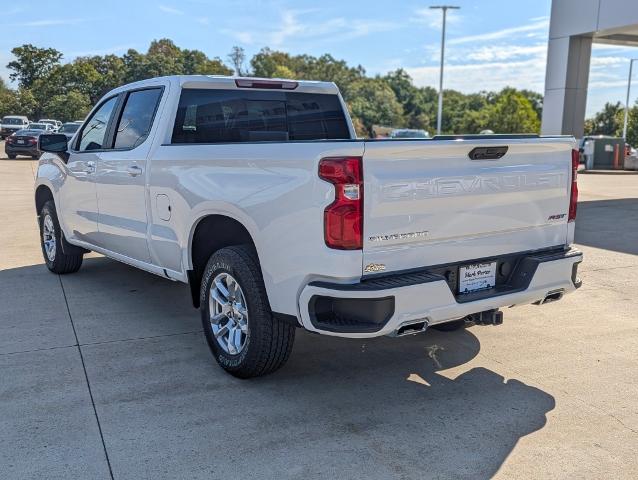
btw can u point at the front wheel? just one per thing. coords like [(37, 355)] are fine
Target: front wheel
[(51, 239), (241, 331)]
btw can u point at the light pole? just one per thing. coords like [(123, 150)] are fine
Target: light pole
[(439, 113), (624, 128)]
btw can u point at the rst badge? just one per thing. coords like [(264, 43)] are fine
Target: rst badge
[(556, 217)]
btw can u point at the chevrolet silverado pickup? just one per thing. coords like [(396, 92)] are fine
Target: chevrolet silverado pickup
[(258, 194)]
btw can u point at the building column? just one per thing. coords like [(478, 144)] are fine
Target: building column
[(566, 82)]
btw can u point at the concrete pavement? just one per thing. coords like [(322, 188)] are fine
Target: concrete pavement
[(106, 374)]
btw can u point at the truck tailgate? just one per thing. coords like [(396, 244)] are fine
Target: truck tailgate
[(428, 203)]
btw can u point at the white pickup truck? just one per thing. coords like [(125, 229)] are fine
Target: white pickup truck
[(259, 195)]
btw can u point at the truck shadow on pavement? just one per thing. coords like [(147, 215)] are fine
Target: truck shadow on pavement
[(393, 397), (383, 408), (608, 224)]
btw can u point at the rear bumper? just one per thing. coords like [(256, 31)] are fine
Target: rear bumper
[(381, 305), (28, 150)]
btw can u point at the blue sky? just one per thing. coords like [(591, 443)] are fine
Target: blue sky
[(491, 43)]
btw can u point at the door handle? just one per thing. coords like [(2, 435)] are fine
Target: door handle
[(134, 171)]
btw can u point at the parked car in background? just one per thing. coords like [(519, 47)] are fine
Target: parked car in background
[(56, 124), (11, 124), (69, 129), (24, 142), (629, 150), (47, 127), (406, 133)]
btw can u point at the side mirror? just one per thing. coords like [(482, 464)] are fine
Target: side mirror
[(54, 143)]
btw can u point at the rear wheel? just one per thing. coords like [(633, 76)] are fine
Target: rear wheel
[(241, 331), (51, 239), (11, 156)]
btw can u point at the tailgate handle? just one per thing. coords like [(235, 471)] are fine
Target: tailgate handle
[(487, 153)]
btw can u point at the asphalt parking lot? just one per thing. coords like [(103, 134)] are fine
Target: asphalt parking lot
[(105, 374)]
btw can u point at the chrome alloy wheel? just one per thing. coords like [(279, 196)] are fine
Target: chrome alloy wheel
[(48, 237), (228, 313)]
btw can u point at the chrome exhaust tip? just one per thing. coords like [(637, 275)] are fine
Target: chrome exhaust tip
[(410, 328), (552, 296)]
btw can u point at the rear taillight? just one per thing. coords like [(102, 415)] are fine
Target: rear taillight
[(573, 195), (32, 140), (343, 218), (10, 139)]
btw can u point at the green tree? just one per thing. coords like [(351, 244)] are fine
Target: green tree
[(111, 73), (237, 57), (69, 107), (270, 63), (419, 104), (266, 62), (536, 99), (608, 121), (512, 112), (374, 103), (8, 100), (632, 125), (32, 63), (165, 58)]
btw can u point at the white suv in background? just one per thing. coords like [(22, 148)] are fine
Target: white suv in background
[(11, 124)]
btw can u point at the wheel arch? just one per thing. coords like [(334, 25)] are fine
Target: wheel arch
[(43, 193), (209, 234)]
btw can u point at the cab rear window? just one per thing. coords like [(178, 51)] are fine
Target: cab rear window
[(227, 116)]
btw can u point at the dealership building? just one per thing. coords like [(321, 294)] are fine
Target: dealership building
[(574, 26)]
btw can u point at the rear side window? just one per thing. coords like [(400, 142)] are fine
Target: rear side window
[(222, 116), (137, 117)]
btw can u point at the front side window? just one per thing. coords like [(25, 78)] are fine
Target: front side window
[(221, 116), (93, 133), (137, 118)]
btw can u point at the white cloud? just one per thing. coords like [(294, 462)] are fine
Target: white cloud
[(473, 77), (100, 51), (607, 61), (50, 22), (434, 18), (538, 25), (4, 72), (170, 10), (291, 26), (505, 52)]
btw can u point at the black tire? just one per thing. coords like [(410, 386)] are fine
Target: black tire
[(35, 157), (59, 262), (11, 156), (450, 326), (267, 341)]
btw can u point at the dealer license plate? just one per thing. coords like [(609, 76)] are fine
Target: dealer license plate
[(477, 276), (21, 142)]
